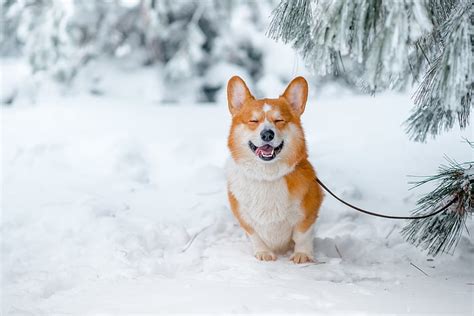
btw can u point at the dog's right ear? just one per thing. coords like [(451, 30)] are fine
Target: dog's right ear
[(237, 94)]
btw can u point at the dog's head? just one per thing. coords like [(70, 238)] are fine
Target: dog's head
[(267, 131)]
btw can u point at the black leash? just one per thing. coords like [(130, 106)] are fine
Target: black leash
[(382, 215)]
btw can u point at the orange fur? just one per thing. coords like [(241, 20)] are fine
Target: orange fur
[(301, 184)]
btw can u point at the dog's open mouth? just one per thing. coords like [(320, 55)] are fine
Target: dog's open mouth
[(266, 152)]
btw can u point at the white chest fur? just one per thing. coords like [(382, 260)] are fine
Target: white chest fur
[(265, 205)]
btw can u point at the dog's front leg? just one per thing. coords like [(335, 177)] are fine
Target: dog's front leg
[(303, 245), (260, 249)]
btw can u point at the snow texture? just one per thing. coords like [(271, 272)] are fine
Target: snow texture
[(115, 205)]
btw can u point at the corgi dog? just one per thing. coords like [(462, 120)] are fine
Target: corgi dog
[(271, 184)]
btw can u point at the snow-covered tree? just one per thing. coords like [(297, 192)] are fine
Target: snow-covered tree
[(445, 92), (188, 38), (383, 44), (380, 44), (191, 37)]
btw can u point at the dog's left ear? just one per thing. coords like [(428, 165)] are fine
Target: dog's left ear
[(296, 94)]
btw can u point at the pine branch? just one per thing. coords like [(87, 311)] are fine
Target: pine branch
[(441, 232), (291, 21), (445, 94), (382, 43)]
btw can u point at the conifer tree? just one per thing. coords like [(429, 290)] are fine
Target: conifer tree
[(382, 44)]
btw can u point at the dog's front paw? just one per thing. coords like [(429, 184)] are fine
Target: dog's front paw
[(265, 255), (301, 257)]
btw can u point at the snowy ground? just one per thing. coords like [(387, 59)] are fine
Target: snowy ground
[(116, 205)]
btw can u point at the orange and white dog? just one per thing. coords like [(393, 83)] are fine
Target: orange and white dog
[(271, 185)]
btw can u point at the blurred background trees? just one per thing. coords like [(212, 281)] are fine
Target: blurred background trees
[(196, 43)]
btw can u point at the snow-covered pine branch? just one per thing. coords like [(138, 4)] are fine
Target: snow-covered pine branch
[(440, 233), (445, 94), (381, 44), (368, 38)]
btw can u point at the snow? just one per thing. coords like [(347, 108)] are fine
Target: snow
[(114, 204)]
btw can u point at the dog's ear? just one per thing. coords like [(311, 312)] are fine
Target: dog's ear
[(237, 94), (296, 94)]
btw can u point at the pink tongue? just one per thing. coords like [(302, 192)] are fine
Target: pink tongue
[(266, 149)]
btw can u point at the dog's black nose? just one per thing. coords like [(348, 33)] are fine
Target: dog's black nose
[(267, 135)]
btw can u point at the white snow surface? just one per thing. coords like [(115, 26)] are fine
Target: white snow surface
[(118, 206)]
